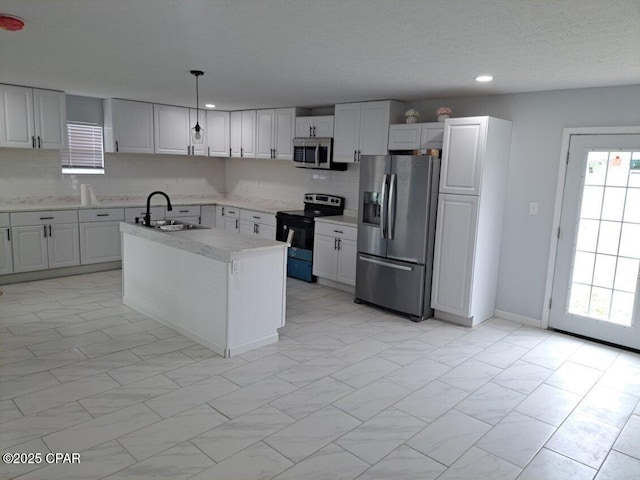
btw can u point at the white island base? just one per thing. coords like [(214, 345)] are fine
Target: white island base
[(230, 299)]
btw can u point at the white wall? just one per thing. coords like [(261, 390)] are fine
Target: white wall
[(34, 173), (538, 120), (280, 180)]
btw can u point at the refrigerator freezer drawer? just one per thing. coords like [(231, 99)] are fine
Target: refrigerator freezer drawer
[(391, 284)]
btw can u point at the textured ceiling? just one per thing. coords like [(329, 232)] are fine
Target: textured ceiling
[(274, 53)]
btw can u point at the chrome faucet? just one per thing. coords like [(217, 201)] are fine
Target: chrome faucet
[(147, 216)]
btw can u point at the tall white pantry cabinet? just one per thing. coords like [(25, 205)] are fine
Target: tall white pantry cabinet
[(473, 182)]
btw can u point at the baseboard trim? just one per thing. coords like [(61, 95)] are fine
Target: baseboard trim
[(514, 317), (58, 272)]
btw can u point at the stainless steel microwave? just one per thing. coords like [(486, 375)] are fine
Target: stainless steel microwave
[(315, 153)]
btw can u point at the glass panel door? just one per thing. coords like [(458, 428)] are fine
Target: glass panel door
[(595, 291)]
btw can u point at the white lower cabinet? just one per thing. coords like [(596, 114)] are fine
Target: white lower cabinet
[(100, 235), (100, 242), (185, 213), (45, 246), (258, 224), (335, 252), (454, 254), (208, 215), (6, 257), (48, 239), (228, 218)]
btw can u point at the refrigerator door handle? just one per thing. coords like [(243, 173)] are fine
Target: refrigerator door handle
[(385, 264), (384, 207), (391, 205)]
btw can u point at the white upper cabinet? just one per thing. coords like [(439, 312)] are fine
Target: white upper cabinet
[(248, 136), (200, 149), (265, 126), (405, 136), (242, 132), (432, 135), (218, 133), (363, 129), (274, 133), (32, 118), (463, 155), (413, 136), (128, 126), (171, 127), (320, 126)]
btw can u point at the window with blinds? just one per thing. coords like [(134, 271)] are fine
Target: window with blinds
[(85, 152)]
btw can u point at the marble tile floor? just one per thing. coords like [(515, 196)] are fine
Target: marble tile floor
[(349, 392)]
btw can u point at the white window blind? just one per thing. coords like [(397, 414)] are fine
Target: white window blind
[(85, 152)]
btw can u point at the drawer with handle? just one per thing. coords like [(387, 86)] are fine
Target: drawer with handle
[(184, 211), (336, 230), (102, 215), (131, 213), (19, 219), (258, 217)]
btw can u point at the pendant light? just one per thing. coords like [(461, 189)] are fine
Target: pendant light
[(197, 132)]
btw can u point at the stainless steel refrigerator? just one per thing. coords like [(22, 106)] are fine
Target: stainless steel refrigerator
[(396, 232)]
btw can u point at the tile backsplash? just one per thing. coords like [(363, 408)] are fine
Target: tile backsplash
[(28, 174), (280, 180), (35, 173)]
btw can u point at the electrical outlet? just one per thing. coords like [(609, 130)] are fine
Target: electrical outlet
[(235, 266), (533, 208)]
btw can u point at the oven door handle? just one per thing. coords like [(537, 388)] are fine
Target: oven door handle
[(384, 206), (290, 236)]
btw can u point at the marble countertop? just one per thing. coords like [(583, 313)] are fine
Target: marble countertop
[(347, 220), (71, 203), (213, 243)]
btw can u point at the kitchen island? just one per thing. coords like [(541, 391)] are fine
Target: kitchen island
[(225, 291)]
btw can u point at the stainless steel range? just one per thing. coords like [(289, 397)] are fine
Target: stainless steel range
[(297, 227)]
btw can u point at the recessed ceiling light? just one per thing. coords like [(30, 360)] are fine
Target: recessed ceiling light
[(210, 105), (484, 78)]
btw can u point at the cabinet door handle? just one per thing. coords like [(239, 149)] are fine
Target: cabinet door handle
[(33, 141), (102, 215), (8, 234), (188, 149), (236, 223), (355, 153), (256, 217), (314, 131), (50, 231), (229, 152), (339, 244), (242, 152), (208, 151), (338, 231), (39, 144), (45, 231), (310, 131), (359, 152), (184, 211), (117, 149), (335, 243)]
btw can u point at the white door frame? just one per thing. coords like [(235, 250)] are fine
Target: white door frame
[(557, 211)]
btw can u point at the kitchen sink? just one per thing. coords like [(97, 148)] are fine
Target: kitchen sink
[(174, 225)]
